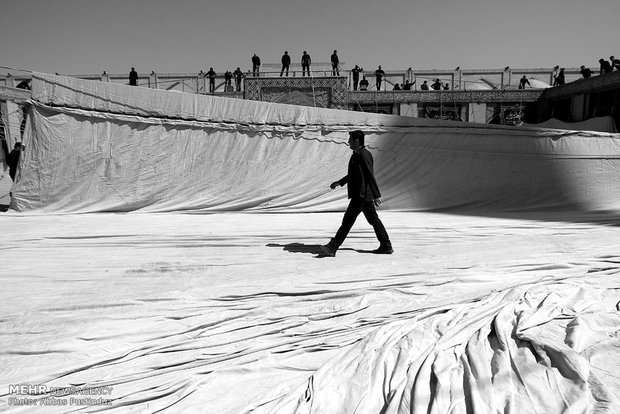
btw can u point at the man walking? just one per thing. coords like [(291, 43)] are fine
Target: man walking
[(364, 196)]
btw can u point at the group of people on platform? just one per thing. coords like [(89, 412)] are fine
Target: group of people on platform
[(228, 77), (305, 64), (363, 84)]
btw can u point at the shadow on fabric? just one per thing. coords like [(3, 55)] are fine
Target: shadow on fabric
[(313, 249)]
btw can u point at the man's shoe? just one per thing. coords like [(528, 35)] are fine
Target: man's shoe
[(384, 250), (329, 250)]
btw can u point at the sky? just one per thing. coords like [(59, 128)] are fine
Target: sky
[(186, 36)]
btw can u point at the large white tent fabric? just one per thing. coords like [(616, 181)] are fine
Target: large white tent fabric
[(483, 310), (105, 147)]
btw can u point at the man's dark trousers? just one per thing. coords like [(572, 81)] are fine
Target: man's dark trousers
[(359, 205)]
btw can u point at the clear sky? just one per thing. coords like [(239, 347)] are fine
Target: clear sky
[(182, 36)]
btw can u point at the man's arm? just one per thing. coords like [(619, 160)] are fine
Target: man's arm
[(340, 182)]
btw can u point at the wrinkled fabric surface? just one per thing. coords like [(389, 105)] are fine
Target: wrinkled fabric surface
[(236, 313)]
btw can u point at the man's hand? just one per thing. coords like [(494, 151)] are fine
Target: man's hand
[(377, 201), (334, 185)]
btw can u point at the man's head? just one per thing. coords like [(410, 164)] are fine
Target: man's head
[(18, 146), (356, 140)]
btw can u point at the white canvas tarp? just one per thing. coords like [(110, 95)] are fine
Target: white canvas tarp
[(511, 312), (103, 147)]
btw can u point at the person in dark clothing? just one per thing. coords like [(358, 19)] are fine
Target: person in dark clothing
[(211, 75), (133, 77), (13, 159), (228, 81), (424, 86), (615, 63), (238, 76), (25, 84), (436, 85), (286, 62), (408, 85), (585, 72), (364, 84), (305, 63), (356, 76), (255, 65), (605, 66), (335, 64), (560, 79), (524, 81), (379, 74), (364, 195)]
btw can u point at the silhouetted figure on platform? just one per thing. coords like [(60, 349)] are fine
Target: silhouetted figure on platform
[(228, 81), (355, 72), (25, 84), (560, 79), (554, 74), (335, 64), (286, 62), (364, 84), (396, 87), (585, 72), (615, 63), (133, 77), (364, 195), (211, 75), (13, 159), (436, 86), (238, 77), (605, 66), (424, 86), (379, 74), (524, 81), (255, 65), (408, 85), (305, 64)]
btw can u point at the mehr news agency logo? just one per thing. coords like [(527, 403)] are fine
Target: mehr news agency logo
[(24, 395)]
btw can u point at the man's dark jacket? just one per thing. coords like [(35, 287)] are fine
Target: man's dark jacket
[(360, 178)]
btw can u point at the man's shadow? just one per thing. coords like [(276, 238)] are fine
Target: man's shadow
[(314, 249)]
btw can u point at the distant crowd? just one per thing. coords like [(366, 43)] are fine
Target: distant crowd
[(606, 66)]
